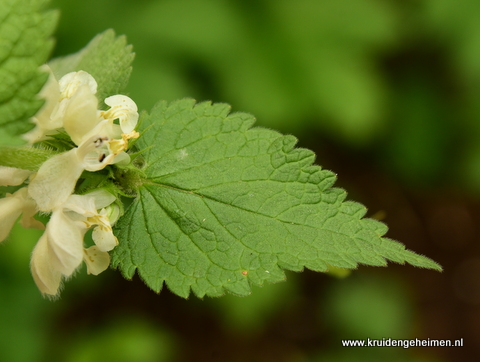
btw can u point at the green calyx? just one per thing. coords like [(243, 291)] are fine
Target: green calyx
[(128, 179)]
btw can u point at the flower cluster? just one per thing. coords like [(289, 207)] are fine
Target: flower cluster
[(70, 107)]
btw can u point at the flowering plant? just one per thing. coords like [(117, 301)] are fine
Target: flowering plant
[(70, 110), (214, 204)]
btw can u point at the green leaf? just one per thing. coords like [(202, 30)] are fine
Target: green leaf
[(225, 205), (107, 58), (25, 44)]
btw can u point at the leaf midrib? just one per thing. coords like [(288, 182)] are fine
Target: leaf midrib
[(238, 207)]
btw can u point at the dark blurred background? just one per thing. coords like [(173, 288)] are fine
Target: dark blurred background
[(384, 91)]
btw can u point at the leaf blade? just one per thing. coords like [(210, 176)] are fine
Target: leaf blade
[(106, 57), (225, 205), (26, 42)]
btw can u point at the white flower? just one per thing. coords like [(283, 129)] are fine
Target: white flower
[(99, 144), (103, 146), (56, 178), (14, 205), (58, 97), (45, 120), (71, 82), (10, 176), (70, 106), (81, 117), (60, 250), (96, 260), (84, 211), (124, 109), (65, 242), (47, 278)]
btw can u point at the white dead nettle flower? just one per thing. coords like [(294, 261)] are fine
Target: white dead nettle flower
[(60, 250), (65, 243), (11, 176), (47, 278), (44, 122), (57, 97), (80, 117), (100, 143), (124, 109), (104, 145), (71, 82), (71, 104), (14, 205), (56, 178), (83, 209), (97, 261)]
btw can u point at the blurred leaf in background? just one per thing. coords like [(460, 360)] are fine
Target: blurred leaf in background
[(289, 63), (368, 305), (453, 26), (124, 339), (251, 315), (26, 43)]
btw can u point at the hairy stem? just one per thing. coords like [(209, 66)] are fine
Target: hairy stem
[(26, 158)]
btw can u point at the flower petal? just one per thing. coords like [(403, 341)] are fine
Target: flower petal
[(94, 154), (10, 176), (81, 204), (55, 180), (12, 206), (102, 198), (10, 210), (46, 277), (45, 119), (70, 83), (29, 210), (124, 109), (65, 239), (103, 237), (51, 94), (122, 159), (97, 261), (81, 114)]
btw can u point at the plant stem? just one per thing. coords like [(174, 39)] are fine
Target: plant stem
[(26, 158)]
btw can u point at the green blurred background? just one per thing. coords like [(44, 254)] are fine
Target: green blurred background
[(384, 91)]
